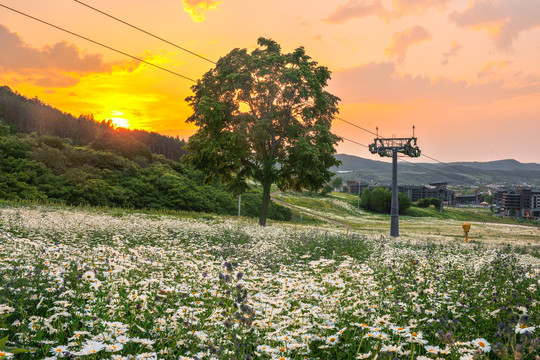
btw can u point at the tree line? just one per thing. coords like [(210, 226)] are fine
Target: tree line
[(29, 115)]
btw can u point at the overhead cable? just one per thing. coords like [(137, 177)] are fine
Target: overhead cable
[(98, 43), (144, 31)]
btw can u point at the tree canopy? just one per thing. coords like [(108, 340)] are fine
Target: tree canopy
[(264, 115)]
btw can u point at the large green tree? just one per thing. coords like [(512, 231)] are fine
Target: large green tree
[(264, 115)]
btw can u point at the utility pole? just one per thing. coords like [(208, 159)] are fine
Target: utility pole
[(239, 204), (358, 213), (391, 147)]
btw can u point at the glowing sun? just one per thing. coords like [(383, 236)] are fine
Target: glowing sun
[(119, 121)]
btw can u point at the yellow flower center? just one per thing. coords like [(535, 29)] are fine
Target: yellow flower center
[(481, 344)]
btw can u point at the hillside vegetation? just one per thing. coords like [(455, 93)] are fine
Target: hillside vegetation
[(52, 169)]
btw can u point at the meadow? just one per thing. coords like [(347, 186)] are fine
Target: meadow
[(88, 284)]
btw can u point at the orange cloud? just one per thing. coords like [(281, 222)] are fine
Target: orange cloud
[(53, 66), (361, 8), (381, 83), (451, 53), (403, 40), (16, 54), (493, 67), (504, 20), (355, 9), (198, 8), (402, 7)]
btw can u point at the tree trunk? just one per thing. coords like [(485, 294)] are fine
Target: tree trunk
[(265, 203)]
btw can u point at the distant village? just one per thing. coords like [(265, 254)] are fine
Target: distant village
[(517, 201)]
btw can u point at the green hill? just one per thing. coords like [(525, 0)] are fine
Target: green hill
[(504, 172)]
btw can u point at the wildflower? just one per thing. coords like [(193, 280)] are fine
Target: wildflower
[(91, 347), (432, 349), (114, 347), (331, 340), (417, 338), (122, 339), (398, 329), (390, 348), (363, 356), (482, 344), (119, 357), (522, 329), (266, 349), (59, 350), (150, 356), (5, 355)]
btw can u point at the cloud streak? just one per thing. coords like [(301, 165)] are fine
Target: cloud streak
[(401, 41), (504, 20)]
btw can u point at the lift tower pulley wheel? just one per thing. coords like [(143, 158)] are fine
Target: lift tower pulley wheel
[(390, 147)]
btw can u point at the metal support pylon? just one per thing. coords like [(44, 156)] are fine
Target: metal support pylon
[(391, 147)]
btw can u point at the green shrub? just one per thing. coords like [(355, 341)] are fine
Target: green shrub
[(423, 203), (380, 201), (427, 202)]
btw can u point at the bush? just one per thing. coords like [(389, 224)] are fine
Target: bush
[(404, 203), (426, 202), (327, 189), (423, 203), (380, 201), (435, 202)]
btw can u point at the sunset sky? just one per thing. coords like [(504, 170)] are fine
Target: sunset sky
[(465, 73)]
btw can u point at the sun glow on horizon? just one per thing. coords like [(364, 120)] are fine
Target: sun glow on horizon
[(119, 121)]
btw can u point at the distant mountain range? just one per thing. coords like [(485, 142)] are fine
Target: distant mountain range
[(504, 172)]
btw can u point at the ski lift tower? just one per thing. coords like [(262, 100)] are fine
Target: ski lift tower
[(391, 147)]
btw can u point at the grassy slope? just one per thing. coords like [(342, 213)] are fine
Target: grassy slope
[(420, 222)]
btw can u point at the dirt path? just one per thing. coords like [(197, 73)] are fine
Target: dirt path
[(323, 218)]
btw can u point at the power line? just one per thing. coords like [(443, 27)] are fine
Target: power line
[(190, 79), (355, 142), (353, 124), (435, 171), (429, 157), (98, 43), (453, 167), (144, 31), (401, 159)]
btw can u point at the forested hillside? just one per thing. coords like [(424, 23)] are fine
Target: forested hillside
[(48, 155), (32, 115)]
